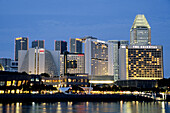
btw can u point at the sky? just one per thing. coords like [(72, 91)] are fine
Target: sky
[(51, 20)]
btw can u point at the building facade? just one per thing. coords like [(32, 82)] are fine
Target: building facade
[(141, 62), (96, 57), (75, 45), (9, 65), (21, 43), (113, 57), (37, 61), (75, 63), (6, 63), (38, 43), (140, 33), (60, 46)]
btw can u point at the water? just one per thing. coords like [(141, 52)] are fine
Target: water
[(87, 107)]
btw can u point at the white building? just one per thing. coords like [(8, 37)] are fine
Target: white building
[(113, 57), (37, 61), (96, 57)]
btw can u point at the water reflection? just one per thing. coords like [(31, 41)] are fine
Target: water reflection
[(87, 107)]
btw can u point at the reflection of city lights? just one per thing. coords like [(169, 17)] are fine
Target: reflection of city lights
[(163, 107), (121, 106)]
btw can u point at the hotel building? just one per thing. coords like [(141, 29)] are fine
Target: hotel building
[(21, 43), (96, 57), (141, 62), (37, 61)]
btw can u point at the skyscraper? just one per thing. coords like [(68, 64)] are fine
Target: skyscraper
[(75, 45), (113, 57), (38, 43), (21, 43), (60, 46), (96, 57), (140, 33)]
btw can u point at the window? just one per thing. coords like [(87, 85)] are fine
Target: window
[(19, 83), (37, 80), (8, 83), (2, 83), (69, 80)]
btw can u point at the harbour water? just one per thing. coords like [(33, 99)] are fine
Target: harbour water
[(87, 107)]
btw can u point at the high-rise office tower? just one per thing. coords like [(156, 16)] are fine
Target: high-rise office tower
[(60, 46), (21, 43), (38, 43), (113, 57), (140, 62), (96, 57), (75, 45), (140, 33)]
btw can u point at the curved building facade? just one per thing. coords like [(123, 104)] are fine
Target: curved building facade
[(37, 61)]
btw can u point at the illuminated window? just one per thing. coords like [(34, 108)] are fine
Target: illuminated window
[(69, 80), (19, 83), (14, 83), (8, 83), (37, 80)]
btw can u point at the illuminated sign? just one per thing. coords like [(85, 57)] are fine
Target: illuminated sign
[(41, 51), (149, 47)]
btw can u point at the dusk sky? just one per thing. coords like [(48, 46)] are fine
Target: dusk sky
[(51, 20)]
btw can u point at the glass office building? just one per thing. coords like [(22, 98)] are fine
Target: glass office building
[(140, 33), (60, 46), (21, 43), (75, 45), (38, 43)]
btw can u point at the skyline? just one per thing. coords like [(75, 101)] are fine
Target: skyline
[(61, 20)]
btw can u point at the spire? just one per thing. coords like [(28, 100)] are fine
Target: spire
[(140, 20)]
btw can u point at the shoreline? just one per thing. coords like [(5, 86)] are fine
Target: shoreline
[(73, 97)]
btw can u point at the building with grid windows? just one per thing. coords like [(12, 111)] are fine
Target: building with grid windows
[(141, 62), (96, 57), (75, 63)]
